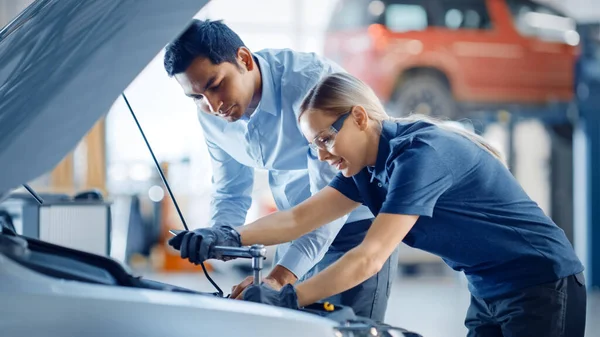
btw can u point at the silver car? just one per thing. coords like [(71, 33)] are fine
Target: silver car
[(62, 65)]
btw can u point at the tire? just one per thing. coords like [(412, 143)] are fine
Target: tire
[(424, 94)]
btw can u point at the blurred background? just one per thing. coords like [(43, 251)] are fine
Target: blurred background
[(524, 74)]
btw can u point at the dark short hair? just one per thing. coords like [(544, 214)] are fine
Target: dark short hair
[(210, 39)]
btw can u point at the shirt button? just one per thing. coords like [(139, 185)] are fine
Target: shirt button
[(379, 184)]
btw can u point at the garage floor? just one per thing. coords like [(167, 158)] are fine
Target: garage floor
[(433, 305)]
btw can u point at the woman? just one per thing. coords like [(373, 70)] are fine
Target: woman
[(436, 188)]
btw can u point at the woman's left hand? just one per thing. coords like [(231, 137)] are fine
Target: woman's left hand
[(286, 297)]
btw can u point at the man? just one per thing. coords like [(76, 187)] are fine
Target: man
[(248, 108)]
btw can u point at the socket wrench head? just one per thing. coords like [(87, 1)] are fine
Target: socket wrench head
[(258, 251)]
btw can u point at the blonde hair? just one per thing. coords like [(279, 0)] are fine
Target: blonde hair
[(337, 93)]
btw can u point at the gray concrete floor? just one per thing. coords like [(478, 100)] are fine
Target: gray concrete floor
[(434, 306)]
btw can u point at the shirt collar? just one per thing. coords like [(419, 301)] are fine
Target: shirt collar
[(388, 132), (269, 93)]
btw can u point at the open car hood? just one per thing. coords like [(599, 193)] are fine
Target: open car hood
[(62, 65)]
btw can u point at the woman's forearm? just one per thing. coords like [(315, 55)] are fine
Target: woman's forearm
[(275, 228), (284, 226), (350, 270), (360, 263)]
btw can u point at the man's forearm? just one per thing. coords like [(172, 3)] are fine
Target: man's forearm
[(229, 211), (232, 185)]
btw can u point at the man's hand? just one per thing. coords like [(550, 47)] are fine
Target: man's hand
[(236, 291), (278, 277), (197, 245)]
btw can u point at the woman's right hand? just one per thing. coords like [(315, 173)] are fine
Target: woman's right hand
[(285, 297), (197, 246)]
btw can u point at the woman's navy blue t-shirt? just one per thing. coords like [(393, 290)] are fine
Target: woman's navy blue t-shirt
[(472, 211)]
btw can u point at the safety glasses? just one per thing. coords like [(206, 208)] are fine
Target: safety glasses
[(326, 139)]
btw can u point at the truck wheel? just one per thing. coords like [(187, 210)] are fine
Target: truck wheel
[(426, 95)]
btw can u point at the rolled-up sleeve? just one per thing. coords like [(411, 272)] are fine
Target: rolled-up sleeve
[(232, 188)]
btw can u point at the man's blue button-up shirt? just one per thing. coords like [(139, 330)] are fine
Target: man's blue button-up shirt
[(271, 139)]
